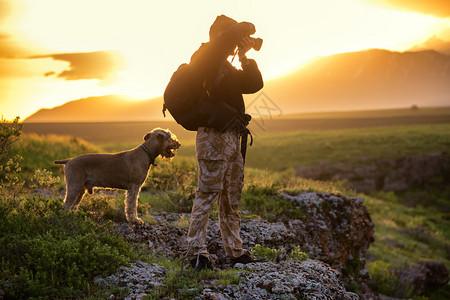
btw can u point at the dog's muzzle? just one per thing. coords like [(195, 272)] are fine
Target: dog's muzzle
[(170, 149)]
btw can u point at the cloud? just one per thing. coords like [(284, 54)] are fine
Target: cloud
[(8, 46), (101, 65), (11, 48), (438, 8), (5, 9)]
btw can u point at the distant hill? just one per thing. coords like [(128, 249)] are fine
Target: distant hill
[(101, 109), (371, 79), (434, 43)]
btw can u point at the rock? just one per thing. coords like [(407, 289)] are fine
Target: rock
[(100, 281), (161, 238), (139, 278), (381, 174), (308, 279), (425, 276), (333, 228)]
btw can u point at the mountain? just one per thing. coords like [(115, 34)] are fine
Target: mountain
[(370, 79), (434, 43), (101, 109)]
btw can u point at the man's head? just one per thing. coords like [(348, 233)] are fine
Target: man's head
[(221, 23)]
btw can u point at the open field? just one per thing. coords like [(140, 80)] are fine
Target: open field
[(282, 151), (115, 136)]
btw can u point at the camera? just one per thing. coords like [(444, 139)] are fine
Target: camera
[(257, 43)]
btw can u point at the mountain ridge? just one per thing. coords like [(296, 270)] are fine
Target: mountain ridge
[(368, 79)]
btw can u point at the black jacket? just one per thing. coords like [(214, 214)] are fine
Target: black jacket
[(211, 59)]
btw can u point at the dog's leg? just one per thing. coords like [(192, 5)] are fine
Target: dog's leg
[(131, 205), (73, 196), (80, 196)]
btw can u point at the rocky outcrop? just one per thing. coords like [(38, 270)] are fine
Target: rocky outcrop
[(333, 228), (425, 276), (162, 238), (310, 279), (139, 278), (382, 174)]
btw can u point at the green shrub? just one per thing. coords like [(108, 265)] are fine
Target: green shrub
[(105, 204), (265, 201), (386, 282), (48, 252), (192, 283), (182, 222), (43, 178), (273, 254), (10, 179), (10, 132), (10, 183), (266, 252), (177, 174), (298, 255), (353, 266), (352, 287), (172, 186)]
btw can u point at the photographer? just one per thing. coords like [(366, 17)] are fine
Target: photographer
[(221, 164)]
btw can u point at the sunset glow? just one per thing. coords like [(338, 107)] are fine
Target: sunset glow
[(151, 39)]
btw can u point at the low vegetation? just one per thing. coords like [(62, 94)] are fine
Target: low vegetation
[(49, 253), (190, 285), (274, 254)]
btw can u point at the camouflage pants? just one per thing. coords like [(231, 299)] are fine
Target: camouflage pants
[(221, 179)]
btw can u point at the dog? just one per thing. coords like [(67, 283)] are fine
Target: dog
[(125, 170)]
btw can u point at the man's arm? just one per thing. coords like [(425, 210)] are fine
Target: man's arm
[(250, 78), (210, 57)]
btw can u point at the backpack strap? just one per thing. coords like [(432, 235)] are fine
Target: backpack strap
[(216, 81), (244, 138)]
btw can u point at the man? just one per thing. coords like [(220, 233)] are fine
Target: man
[(221, 165)]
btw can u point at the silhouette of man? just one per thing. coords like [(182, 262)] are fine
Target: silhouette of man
[(221, 165)]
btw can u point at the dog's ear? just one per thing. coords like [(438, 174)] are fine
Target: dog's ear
[(147, 136)]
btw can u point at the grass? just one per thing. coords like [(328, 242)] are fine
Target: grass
[(418, 232), (191, 284), (403, 234), (117, 136), (48, 252), (39, 151), (282, 151), (276, 151)]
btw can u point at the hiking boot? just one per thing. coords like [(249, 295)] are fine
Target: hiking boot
[(203, 263), (246, 259)]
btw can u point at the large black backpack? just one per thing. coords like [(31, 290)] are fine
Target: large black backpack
[(189, 104), (182, 98)]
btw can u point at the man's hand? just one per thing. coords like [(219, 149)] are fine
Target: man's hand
[(244, 45)]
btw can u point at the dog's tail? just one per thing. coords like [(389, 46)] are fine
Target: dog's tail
[(61, 162)]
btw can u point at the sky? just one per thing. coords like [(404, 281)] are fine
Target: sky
[(55, 51)]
